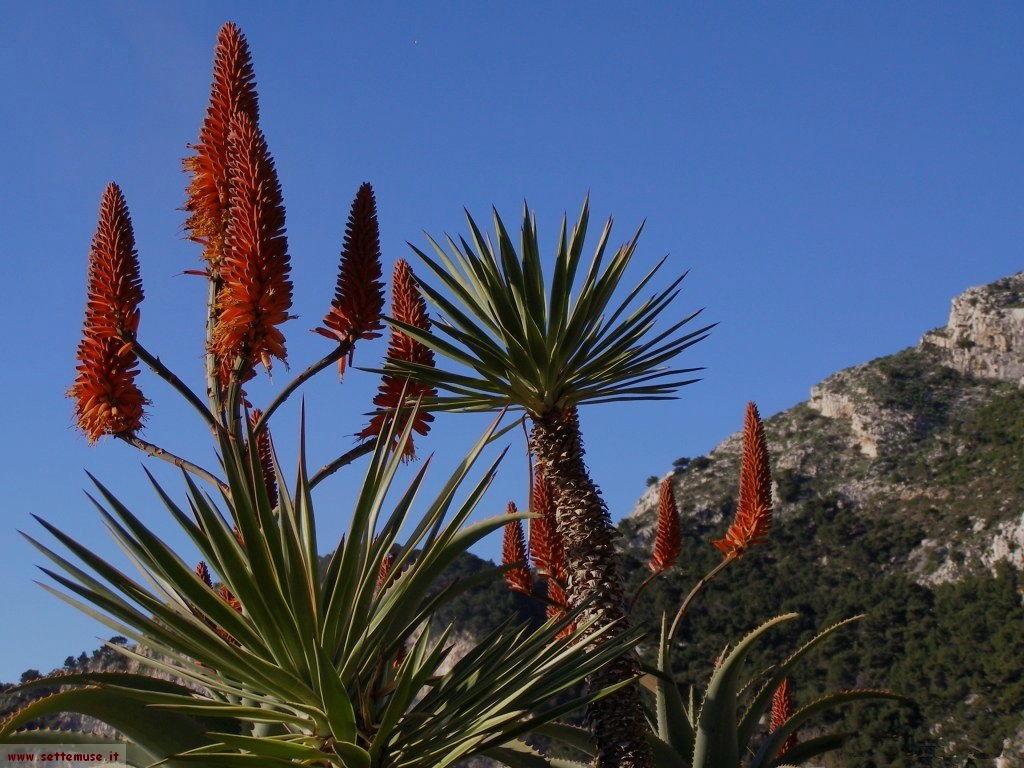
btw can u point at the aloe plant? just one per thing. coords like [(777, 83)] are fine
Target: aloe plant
[(333, 669), (256, 656)]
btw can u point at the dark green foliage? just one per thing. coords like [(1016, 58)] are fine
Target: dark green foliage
[(911, 381), (938, 646), (700, 463)]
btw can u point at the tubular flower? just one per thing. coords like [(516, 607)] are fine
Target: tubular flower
[(233, 91), (256, 292), (545, 546), (266, 454), (668, 542), (753, 517), (107, 400), (782, 710), (407, 306), (513, 552), (358, 302)]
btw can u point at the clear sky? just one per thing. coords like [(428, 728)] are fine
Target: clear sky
[(832, 174)]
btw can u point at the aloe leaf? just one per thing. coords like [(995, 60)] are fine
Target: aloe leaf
[(777, 738), (665, 756), (807, 750), (762, 701), (715, 744), (572, 735), (673, 725), (337, 704), (162, 733)]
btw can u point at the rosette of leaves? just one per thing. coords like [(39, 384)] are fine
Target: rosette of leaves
[(277, 662), (725, 727), (550, 340)]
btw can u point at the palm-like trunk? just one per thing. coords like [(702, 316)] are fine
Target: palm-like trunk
[(585, 528)]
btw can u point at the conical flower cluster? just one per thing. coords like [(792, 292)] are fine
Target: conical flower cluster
[(513, 553), (265, 451), (358, 302), (233, 91), (256, 293), (545, 546), (668, 542), (407, 306), (384, 571), (782, 710), (753, 517), (107, 400)]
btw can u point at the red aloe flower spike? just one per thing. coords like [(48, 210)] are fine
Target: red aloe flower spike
[(233, 91), (668, 542), (204, 573), (407, 306), (753, 517), (229, 598), (265, 450), (384, 571), (358, 302), (513, 551), (546, 549), (782, 710), (256, 292), (107, 400)]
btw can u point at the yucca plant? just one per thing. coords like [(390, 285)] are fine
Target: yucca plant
[(256, 655), (548, 344)]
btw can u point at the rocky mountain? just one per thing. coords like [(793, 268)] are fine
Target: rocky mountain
[(899, 493), (899, 489)]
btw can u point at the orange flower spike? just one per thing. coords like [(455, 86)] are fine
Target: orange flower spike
[(358, 302), (265, 450), (203, 572), (107, 400), (753, 517), (513, 552), (233, 90), (668, 542), (545, 546), (256, 292), (782, 710), (407, 306), (230, 599), (384, 571)]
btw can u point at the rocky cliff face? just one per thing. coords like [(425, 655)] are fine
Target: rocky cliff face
[(985, 335)]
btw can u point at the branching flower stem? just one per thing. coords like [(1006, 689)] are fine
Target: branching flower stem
[(339, 352), (345, 459), (159, 453), (697, 589), (171, 378)]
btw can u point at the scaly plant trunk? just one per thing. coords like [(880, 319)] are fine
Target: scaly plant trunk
[(592, 572)]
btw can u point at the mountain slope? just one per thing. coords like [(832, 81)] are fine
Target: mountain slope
[(900, 493)]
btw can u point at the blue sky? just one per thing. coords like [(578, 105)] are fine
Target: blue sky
[(831, 173)]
